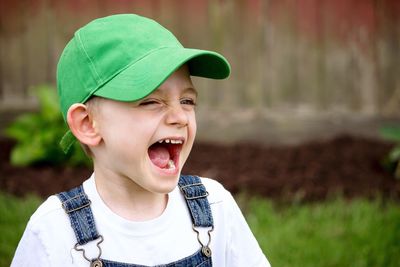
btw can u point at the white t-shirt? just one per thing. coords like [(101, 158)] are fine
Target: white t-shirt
[(48, 239)]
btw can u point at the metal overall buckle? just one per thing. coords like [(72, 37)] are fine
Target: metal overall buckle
[(205, 249), (95, 262)]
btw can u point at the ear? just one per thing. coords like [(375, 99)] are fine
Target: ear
[(82, 125)]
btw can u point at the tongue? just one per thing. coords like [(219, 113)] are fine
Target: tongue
[(159, 155)]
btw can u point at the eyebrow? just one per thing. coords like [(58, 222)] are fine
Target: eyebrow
[(191, 90), (184, 91)]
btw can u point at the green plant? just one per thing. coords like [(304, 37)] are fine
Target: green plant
[(392, 160), (14, 214), (37, 134), (336, 232)]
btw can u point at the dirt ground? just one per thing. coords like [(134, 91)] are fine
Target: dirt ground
[(345, 165)]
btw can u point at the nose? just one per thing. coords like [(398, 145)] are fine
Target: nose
[(176, 115)]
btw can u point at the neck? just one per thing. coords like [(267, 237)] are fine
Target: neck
[(126, 198)]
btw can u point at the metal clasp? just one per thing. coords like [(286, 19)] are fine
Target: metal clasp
[(78, 208), (96, 262), (196, 197), (205, 249)]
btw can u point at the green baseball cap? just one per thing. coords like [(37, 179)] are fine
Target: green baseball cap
[(125, 57)]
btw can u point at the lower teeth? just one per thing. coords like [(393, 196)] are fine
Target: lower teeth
[(171, 164)]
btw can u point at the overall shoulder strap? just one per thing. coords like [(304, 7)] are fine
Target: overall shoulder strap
[(195, 195), (77, 206)]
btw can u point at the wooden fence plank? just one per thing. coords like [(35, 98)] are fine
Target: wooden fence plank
[(287, 56)]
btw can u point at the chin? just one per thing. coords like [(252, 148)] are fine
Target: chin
[(166, 188), (164, 184)]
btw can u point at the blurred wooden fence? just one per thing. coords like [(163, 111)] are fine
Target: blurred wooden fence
[(291, 59)]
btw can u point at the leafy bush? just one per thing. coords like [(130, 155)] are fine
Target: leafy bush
[(38, 134), (392, 160)]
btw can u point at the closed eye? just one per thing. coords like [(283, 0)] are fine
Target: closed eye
[(188, 101), (149, 102)]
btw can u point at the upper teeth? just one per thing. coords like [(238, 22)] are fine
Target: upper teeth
[(172, 141)]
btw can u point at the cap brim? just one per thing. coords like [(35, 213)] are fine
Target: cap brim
[(147, 74)]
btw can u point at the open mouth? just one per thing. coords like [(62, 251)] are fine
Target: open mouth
[(165, 153)]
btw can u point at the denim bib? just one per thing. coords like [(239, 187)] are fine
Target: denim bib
[(77, 206)]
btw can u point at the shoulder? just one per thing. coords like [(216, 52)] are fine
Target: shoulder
[(48, 207), (47, 238), (33, 245), (217, 192), (48, 221), (241, 247), (49, 212), (213, 186)]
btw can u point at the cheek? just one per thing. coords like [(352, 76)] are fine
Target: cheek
[(192, 128), (192, 125), (119, 131)]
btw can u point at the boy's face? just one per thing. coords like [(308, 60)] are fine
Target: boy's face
[(149, 140)]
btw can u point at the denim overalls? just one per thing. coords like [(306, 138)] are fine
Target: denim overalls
[(77, 206)]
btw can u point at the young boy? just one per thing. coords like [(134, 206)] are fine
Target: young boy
[(126, 94)]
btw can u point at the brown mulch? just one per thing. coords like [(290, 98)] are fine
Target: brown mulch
[(346, 165)]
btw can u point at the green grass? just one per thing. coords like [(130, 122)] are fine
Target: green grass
[(14, 214), (332, 233)]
